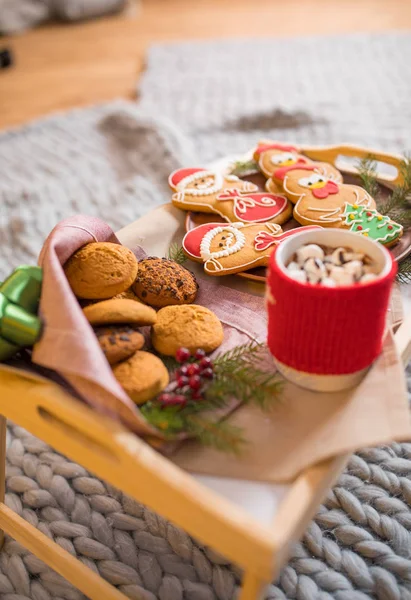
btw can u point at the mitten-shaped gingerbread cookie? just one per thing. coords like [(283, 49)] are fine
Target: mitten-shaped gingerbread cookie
[(273, 158), (228, 196), (235, 247), (320, 200)]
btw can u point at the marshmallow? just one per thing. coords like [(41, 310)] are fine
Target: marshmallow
[(309, 251), (341, 276), (328, 282), (298, 275), (314, 269), (337, 257), (355, 267), (368, 277)]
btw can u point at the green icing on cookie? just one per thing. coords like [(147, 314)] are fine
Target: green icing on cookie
[(371, 223)]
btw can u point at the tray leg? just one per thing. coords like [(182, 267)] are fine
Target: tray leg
[(253, 587), (3, 435)]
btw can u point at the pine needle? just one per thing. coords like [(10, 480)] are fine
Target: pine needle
[(243, 168), (404, 270), (176, 253), (216, 434), (239, 374), (367, 170)]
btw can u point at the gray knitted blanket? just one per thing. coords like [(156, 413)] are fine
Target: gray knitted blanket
[(199, 101)]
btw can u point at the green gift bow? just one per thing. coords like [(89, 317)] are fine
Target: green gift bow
[(19, 301)]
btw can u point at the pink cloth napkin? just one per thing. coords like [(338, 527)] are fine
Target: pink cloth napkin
[(69, 346)]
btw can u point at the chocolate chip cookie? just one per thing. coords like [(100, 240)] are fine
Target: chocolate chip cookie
[(119, 342), (162, 282)]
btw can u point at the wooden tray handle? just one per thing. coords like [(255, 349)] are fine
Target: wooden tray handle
[(335, 155)]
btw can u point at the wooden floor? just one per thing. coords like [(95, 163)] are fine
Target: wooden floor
[(62, 66)]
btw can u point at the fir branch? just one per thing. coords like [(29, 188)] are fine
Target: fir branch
[(367, 170), (216, 434), (398, 204), (404, 270), (176, 253), (238, 375), (242, 168), (168, 419)]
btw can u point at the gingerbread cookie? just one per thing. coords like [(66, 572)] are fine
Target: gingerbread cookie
[(162, 282), (234, 200), (113, 311), (142, 376), (100, 270), (119, 342), (235, 247), (274, 159), (187, 326), (371, 223), (321, 201)]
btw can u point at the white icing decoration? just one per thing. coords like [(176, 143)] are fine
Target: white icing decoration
[(243, 204), (184, 185), (247, 186), (279, 159), (329, 213), (232, 178), (311, 180), (233, 234)]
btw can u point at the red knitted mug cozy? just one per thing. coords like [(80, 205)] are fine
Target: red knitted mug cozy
[(327, 331)]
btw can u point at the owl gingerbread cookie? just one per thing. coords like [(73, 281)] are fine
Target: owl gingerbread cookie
[(273, 158), (233, 199), (320, 200), (235, 247)]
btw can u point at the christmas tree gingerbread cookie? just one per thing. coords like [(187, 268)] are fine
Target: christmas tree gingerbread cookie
[(235, 247), (320, 200), (233, 199), (372, 224), (274, 159)]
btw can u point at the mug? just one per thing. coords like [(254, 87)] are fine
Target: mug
[(322, 338)]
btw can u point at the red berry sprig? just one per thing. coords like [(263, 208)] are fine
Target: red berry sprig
[(191, 380)]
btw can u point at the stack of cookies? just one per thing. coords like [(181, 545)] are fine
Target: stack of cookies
[(121, 295)]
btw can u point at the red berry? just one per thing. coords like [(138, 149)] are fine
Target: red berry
[(199, 354), (193, 369), (182, 355), (197, 395), (182, 381), (179, 400), (165, 398), (389, 227), (172, 399), (207, 373), (359, 228), (206, 363), (182, 371), (369, 214), (195, 382)]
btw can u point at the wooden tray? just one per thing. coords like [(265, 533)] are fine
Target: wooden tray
[(344, 158), (252, 524)]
